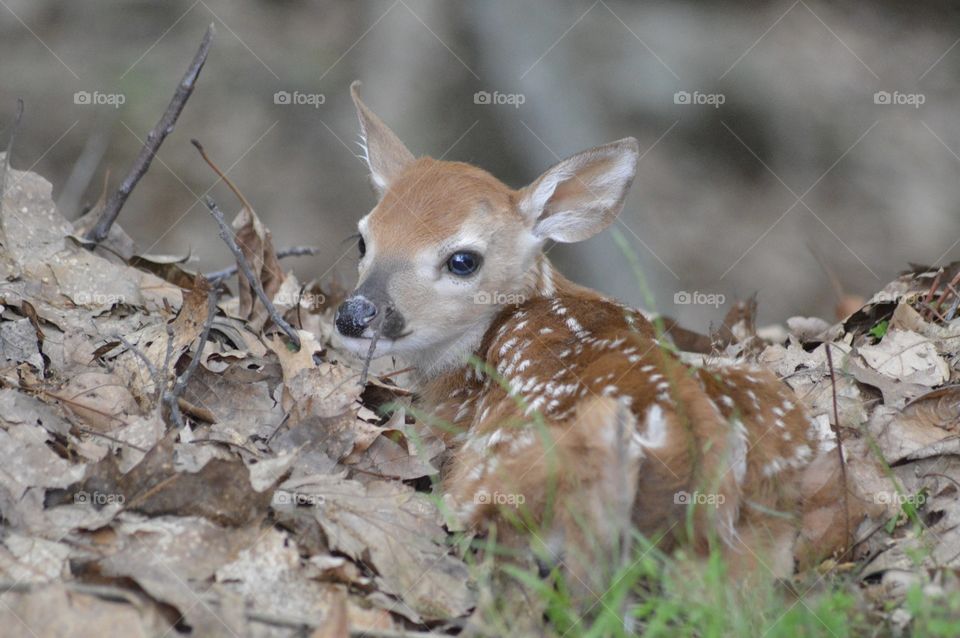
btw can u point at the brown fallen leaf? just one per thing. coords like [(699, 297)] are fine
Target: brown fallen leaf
[(19, 344), (395, 531), (29, 462), (167, 267), (269, 576), (172, 558), (241, 397), (314, 389), (256, 243), (76, 614), (98, 399), (220, 490), (158, 345), (907, 356)]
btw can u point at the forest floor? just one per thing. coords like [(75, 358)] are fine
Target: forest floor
[(174, 463)]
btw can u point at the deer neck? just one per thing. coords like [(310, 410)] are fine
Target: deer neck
[(449, 364)]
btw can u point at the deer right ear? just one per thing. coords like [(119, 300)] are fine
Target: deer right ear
[(385, 154), (581, 195)]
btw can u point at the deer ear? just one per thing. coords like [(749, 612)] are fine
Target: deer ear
[(385, 154), (581, 195)]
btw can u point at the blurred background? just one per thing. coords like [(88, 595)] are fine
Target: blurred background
[(781, 140)]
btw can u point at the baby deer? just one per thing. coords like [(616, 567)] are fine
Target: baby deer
[(571, 418)]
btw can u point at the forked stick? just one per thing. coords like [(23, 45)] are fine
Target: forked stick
[(244, 266), (99, 231)]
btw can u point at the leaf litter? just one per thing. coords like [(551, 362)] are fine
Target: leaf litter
[(248, 520), (293, 497)]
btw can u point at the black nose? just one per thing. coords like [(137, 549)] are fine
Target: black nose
[(354, 315)]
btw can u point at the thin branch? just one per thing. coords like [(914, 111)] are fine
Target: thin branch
[(111, 438), (395, 373), (159, 381), (376, 326), (99, 231), (226, 180), (244, 266), (843, 463), (172, 398), (292, 251)]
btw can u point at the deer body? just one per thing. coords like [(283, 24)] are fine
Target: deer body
[(629, 429), (566, 416)]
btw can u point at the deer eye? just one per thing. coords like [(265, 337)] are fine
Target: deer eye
[(362, 247), (464, 263)]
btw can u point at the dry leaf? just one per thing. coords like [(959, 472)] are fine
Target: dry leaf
[(908, 357), (397, 532)]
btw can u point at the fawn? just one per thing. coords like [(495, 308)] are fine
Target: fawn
[(571, 420)]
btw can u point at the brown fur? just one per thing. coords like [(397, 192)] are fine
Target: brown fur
[(569, 458)]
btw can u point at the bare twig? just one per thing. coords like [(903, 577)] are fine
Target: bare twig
[(167, 356), (197, 411), (180, 384), (376, 327), (276, 430), (99, 231), (292, 251), (395, 373), (244, 266), (243, 201), (112, 439), (152, 369), (226, 180), (843, 462), (933, 288)]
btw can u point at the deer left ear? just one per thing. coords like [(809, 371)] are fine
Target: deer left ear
[(583, 194), (385, 154)]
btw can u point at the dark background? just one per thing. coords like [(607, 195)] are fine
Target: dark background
[(714, 208)]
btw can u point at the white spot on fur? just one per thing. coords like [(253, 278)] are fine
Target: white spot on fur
[(738, 450), (655, 428)]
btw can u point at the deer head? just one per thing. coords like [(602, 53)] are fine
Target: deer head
[(448, 245)]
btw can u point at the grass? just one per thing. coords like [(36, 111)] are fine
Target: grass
[(657, 595), (654, 594)]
